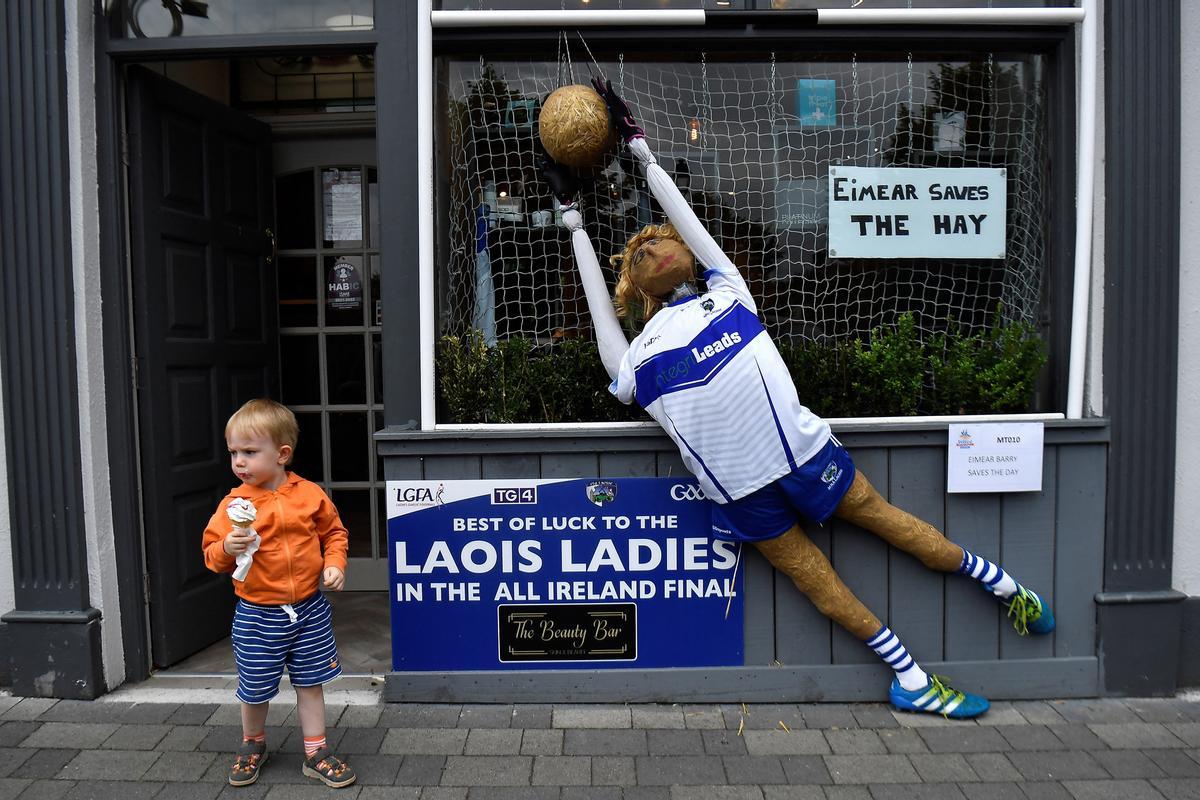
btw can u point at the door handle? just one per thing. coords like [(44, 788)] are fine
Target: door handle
[(271, 236)]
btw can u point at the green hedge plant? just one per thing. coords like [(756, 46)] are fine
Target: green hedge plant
[(892, 373)]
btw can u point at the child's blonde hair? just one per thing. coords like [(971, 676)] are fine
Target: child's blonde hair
[(630, 296), (265, 417)]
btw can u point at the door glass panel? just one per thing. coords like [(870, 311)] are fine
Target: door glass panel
[(378, 426), (347, 369), (348, 446), (300, 369), (344, 288), (373, 208), (298, 292), (342, 208), (295, 211), (377, 358), (354, 507), (376, 310), (309, 461)]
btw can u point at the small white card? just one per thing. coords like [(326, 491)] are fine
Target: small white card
[(995, 457)]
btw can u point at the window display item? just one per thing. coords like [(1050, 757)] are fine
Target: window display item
[(705, 367), (574, 126)]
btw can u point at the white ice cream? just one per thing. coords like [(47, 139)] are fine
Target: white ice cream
[(241, 513)]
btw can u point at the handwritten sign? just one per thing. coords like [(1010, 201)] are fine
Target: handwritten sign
[(901, 212), (559, 574), (995, 457)]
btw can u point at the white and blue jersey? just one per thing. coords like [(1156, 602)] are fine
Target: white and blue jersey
[(704, 367), (706, 370)]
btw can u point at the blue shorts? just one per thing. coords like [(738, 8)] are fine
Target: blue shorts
[(811, 491), (265, 639)]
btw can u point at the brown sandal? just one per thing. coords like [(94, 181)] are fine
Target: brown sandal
[(329, 769), (250, 759)]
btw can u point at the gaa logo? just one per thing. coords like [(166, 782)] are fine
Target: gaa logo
[(518, 496), (685, 491)]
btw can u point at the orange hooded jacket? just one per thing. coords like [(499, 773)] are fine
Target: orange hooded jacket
[(301, 536)]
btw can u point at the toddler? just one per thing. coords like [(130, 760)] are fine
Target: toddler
[(290, 541)]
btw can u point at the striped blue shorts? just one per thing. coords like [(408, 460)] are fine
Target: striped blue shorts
[(266, 638)]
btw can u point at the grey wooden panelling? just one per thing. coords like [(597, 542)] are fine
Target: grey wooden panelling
[(759, 608), (861, 559), (570, 465), (916, 594), (802, 634), (670, 464), (628, 465), (1079, 556), (1027, 552), (404, 468), (1041, 678), (513, 465), (972, 615), (452, 467)]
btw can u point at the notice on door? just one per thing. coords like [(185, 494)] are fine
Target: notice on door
[(342, 195), (995, 457), (901, 212)]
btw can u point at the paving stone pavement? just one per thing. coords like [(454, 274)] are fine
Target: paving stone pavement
[(1069, 749)]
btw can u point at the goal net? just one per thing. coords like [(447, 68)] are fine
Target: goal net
[(750, 143)]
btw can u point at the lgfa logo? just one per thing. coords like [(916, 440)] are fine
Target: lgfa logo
[(965, 442), (420, 495)]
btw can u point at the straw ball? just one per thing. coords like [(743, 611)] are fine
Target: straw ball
[(574, 126)]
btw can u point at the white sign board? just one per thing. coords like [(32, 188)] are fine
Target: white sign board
[(902, 212), (995, 457)]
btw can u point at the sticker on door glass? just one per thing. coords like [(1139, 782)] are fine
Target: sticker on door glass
[(343, 287)]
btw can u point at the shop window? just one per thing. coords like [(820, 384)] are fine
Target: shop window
[(155, 18), (750, 142)]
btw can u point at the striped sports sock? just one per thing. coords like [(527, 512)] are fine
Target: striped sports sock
[(258, 738), (312, 744), (888, 647), (997, 580)]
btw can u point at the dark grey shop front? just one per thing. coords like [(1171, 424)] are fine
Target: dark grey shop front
[(1098, 535)]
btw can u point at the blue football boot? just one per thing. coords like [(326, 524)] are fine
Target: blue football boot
[(1029, 613), (936, 697)]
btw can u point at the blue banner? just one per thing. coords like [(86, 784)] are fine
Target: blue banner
[(546, 574)]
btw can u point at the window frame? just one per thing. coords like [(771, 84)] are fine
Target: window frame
[(1057, 44)]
